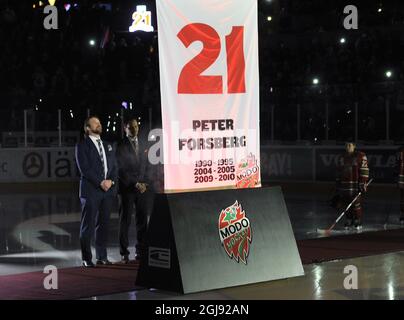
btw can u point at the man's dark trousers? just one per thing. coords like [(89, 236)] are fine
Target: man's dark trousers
[(95, 208), (132, 202)]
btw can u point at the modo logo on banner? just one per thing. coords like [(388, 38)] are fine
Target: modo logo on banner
[(208, 52)]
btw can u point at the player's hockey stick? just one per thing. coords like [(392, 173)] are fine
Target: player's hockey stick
[(328, 231)]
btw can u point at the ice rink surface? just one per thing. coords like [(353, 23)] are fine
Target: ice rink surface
[(40, 226)]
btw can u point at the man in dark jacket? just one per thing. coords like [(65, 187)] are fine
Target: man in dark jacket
[(97, 164), (132, 161)]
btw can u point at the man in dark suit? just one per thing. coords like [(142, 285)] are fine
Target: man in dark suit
[(132, 160), (97, 164)]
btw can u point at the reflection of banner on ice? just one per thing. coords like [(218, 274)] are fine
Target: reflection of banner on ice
[(209, 76)]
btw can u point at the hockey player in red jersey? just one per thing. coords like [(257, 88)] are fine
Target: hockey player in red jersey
[(352, 177)]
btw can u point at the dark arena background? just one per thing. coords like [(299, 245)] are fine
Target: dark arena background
[(321, 85)]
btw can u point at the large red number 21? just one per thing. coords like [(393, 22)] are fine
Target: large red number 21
[(191, 81)]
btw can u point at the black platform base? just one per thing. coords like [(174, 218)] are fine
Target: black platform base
[(216, 239)]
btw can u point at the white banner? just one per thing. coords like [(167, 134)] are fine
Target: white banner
[(210, 93)]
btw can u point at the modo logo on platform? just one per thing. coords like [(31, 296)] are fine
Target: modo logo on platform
[(235, 232)]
